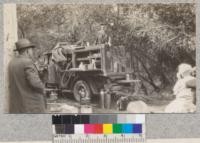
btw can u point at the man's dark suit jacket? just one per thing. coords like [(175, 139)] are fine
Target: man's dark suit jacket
[(26, 91)]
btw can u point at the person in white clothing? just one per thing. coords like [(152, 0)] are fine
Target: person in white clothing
[(183, 103)]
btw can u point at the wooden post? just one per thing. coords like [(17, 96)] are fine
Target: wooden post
[(10, 37), (74, 60), (103, 60)]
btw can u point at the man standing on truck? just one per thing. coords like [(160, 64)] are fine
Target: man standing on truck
[(26, 90), (102, 37)]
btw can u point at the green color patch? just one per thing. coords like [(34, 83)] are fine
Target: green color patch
[(117, 128)]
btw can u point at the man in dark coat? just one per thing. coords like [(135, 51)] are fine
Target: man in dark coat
[(26, 90)]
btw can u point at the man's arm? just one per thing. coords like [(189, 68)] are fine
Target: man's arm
[(33, 77)]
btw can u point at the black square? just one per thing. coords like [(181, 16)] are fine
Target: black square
[(85, 119), (76, 119), (56, 119), (67, 119), (60, 128)]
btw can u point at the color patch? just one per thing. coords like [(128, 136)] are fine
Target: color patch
[(121, 119), (117, 128), (56, 120), (112, 119), (85, 119), (105, 119), (100, 119), (66, 119), (137, 128), (107, 128), (79, 129), (76, 119), (127, 128), (60, 129), (54, 129), (89, 128), (98, 128), (140, 119), (94, 119), (130, 118), (69, 129)]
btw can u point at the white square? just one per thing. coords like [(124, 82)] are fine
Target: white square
[(54, 129), (130, 118), (121, 118), (79, 129), (140, 119)]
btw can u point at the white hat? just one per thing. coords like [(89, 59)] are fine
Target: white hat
[(183, 68)]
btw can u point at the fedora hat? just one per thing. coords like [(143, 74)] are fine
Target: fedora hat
[(23, 44)]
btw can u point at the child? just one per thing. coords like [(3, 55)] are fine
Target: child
[(184, 95)]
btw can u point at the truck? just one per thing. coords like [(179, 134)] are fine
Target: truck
[(93, 69)]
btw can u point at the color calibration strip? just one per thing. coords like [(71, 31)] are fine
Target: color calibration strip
[(98, 128), (123, 128)]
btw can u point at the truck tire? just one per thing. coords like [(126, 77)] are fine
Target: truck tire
[(81, 89)]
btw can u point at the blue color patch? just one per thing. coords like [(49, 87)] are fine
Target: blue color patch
[(137, 128), (127, 128)]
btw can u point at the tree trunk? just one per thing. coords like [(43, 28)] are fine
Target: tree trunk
[(150, 80)]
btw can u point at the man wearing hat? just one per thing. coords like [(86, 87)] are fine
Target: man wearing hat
[(26, 90)]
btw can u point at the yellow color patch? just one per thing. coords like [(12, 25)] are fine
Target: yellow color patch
[(107, 128)]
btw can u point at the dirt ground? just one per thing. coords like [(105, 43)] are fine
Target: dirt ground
[(155, 106)]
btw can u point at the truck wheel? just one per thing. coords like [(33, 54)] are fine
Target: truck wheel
[(81, 90)]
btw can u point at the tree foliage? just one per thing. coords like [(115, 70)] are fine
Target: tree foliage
[(157, 36)]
